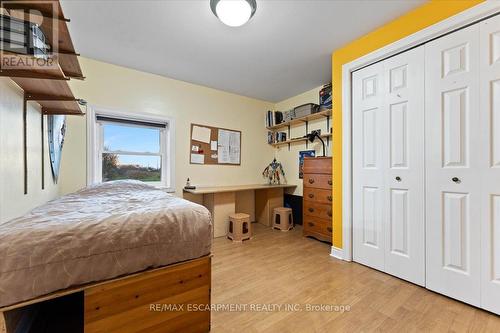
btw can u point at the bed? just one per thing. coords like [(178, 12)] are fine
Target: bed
[(112, 234)]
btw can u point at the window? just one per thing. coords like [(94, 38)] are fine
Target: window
[(137, 148)]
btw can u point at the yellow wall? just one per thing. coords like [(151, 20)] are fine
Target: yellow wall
[(13, 201), (123, 89), (424, 16), (290, 159)]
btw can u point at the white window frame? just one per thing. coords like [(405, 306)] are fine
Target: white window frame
[(95, 145)]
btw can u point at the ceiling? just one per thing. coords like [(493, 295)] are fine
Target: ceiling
[(284, 50)]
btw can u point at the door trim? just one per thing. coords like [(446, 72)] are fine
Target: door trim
[(455, 22)]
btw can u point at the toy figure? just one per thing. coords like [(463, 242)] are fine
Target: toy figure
[(273, 173)]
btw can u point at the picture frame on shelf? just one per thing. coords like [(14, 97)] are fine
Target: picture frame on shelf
[(302, 155)]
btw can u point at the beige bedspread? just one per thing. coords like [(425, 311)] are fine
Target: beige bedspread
[(98, 233)]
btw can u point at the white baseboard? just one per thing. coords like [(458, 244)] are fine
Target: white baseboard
[(337, 253)]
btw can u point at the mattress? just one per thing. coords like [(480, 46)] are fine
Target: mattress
[(98, 233)]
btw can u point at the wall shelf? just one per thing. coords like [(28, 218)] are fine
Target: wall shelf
[(301, 120), (282, 143), (49, 80), (44, 82), (325, 114), (49, 15)]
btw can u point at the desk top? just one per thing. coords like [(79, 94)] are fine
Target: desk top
[(235, 188)]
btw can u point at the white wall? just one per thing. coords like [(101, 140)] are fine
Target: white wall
[(290, 159), (119, 88), (13, 201), (122, 89)]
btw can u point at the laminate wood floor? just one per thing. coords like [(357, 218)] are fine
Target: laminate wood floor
[(283, 267)]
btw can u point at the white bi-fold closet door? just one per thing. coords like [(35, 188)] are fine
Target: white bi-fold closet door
[(463, 164), (388, 166), (453, 162), (442, 201)]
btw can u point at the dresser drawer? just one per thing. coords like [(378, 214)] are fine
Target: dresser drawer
[(317, 195), (320, 210), (318, 181), (319, 228), (318, 165)]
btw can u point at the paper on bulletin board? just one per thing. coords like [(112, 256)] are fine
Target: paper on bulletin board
[(229, 147), (197, 158), (201, 134), (213, 145)]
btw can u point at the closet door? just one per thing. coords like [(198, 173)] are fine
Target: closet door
[(453, 153), (490, 169), (388, 166), (403, 165), (369, 141)]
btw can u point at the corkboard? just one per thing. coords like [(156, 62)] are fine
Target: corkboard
[(209, 154)]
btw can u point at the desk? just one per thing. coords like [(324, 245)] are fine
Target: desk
[(257, 200)]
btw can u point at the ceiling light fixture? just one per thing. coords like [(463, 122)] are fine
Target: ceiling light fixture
[(233, 13)]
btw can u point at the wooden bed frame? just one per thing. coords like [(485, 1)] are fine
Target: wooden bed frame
[(174, 298)]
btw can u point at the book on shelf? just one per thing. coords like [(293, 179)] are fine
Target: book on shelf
[(274, 118), (276, 137)]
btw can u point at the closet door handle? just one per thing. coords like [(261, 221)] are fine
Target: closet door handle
[(311, 195), (311, 181), (329, 213), (329, 198), (330, 182), (398, 178), (329, 229), (456, 180), (311, 210)]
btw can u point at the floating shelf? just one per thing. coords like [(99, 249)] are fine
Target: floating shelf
[(282, 143), (313, 116), (50, 70), (46, 84)]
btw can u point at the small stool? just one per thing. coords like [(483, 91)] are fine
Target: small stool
[(240, 228), (282, 218)]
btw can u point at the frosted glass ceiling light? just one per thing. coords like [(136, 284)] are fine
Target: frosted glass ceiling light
[(233, 13)]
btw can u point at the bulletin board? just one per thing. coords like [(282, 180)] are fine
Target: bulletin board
[(214, 145)]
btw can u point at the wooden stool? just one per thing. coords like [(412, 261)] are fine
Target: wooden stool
[(282, 218), (240, 228)]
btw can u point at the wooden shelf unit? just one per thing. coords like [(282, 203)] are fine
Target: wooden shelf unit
[(46, 84), (325, 114), (49, 15), (301, 120)]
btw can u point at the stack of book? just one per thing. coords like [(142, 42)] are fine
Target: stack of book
[(325, 96), (275, 137), (274, 118)]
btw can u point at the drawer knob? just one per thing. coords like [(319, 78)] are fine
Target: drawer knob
[(311, 195), (329, 213), (311, 209), (329, 229), (310, 224), (330, 182), (311, 181), (329, 198)]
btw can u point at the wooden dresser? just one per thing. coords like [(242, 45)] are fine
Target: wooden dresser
[(317, 219)]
